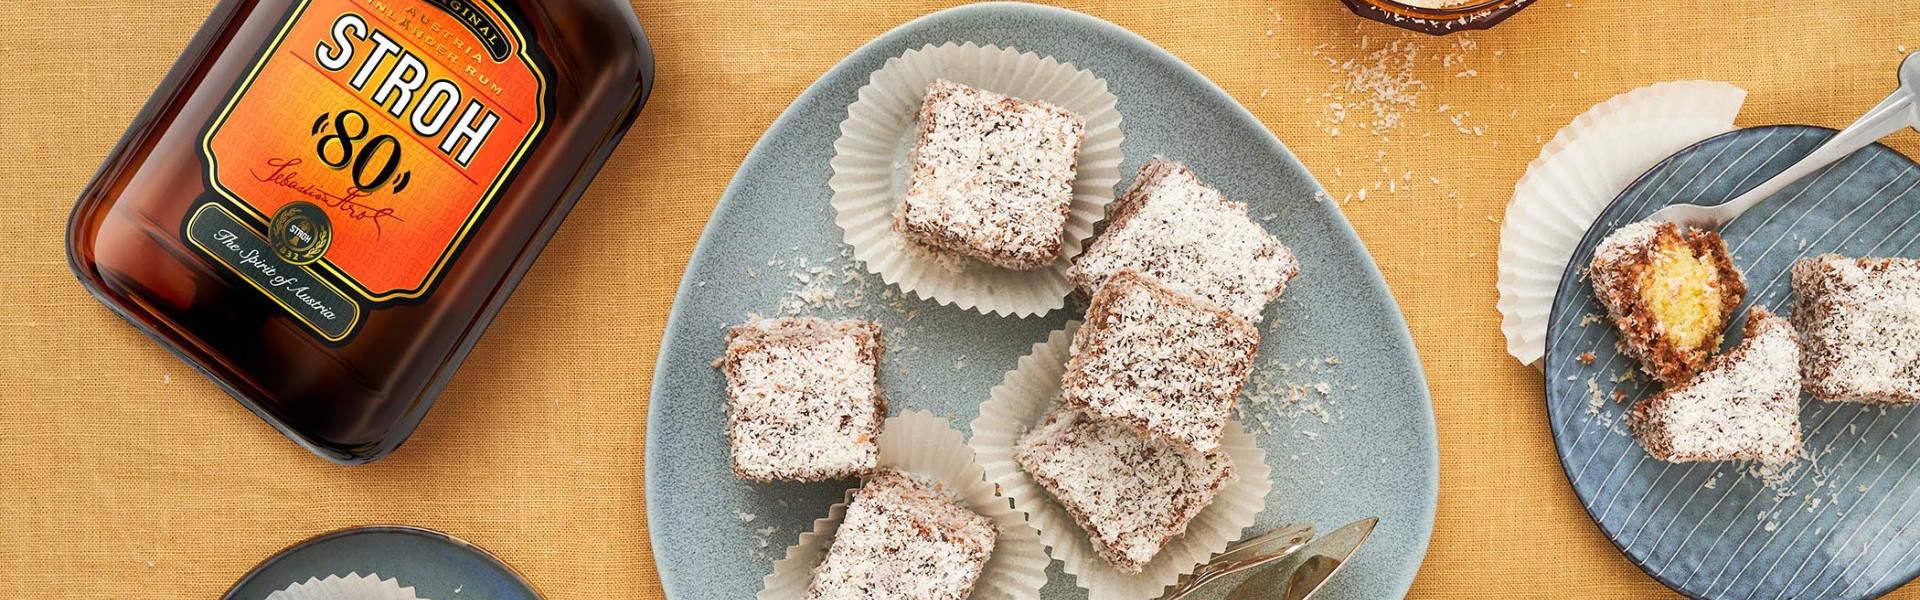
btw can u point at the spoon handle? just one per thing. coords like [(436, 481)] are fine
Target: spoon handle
[(1893, 114)]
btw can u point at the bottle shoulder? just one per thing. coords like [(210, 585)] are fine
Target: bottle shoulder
[(600, 40)]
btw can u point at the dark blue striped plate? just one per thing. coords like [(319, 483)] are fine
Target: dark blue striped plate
[(1841, 525), (434, 564)]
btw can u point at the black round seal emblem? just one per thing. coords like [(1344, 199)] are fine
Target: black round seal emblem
[(300, 232)]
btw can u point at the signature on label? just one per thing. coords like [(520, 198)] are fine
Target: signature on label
[(284, 174)]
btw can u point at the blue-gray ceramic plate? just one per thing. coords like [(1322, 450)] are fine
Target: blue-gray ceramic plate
[(1838, 526), (714, 536), (434, 564)]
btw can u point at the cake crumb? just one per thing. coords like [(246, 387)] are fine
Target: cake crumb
[(1595, 400)]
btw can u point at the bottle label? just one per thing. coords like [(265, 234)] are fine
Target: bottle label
[(368, 140), (216, 231)]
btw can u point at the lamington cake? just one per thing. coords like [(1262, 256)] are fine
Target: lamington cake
[(1165, 364), (903, 540), (803, 398), (1743, 406), (1859, 320), (1184, 233), (991, 177), (1132, 495), (1669, 293)]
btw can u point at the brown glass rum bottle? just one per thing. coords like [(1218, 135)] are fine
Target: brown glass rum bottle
[(326, 201)]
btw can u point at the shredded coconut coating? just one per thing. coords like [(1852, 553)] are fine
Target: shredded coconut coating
[(1619, 272), (1167, 365), (991, 176), (1132, 495), (804, 399), (903, 539), (1186, 234), (1744, 406), (1860, 319)]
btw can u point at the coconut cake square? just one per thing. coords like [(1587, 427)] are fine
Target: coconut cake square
[(1172, 227), (903, 539), (990, 176), (1131, 494), (803, 398), (1168, 365)]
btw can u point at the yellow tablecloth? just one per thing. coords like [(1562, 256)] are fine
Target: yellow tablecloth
[(125, 475)]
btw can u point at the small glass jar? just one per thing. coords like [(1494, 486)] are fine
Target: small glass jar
[(1445, 18)]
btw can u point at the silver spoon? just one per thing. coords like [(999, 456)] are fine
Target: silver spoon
[(1895, 113), (1272, 545), (1302, 573)]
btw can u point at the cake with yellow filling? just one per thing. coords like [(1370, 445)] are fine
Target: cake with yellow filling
[(1669, 293), (1743, 406)]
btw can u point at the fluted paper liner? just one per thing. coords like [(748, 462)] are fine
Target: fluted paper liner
[(922, 444), (1577, 175), (1021, 399), (354, 586), (870, 173)]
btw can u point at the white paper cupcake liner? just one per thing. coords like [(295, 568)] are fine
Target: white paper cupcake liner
[(352, 587), (1578, 173), (870, 173), (1021, 399), (922, 444)]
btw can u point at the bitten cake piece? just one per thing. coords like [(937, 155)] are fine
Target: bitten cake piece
[(1743, 406), (1132, 495), (1860, 321), (1184, 233), (902, 539), (1168, 365), (804, 398), (1669, 293), (991, 176)]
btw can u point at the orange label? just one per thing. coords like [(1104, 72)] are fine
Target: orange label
[(401, 119)]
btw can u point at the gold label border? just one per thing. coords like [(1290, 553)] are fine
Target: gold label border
[(473, 218)]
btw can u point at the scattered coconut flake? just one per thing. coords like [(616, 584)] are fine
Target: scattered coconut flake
[(1375, 86)]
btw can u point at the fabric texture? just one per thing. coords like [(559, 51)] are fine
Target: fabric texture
[(129, 475)]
